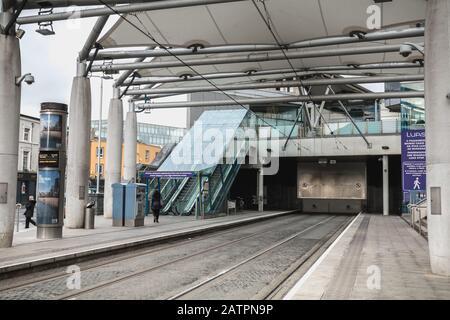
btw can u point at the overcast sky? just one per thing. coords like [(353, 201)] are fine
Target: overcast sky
[(52, 60)]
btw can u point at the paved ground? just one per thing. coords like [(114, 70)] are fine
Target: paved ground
[(376, 258), (21, 226), (27, 248), (255, 256)]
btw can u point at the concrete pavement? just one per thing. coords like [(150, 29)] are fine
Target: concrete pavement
[(375, 258)]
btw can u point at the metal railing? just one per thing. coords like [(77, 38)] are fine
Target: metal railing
[(418, 213), (342, 128)]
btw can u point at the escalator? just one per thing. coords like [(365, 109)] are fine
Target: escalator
[(181, 195)]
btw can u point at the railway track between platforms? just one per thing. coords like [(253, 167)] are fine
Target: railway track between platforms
[(145, 264)]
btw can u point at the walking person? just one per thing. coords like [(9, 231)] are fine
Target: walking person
[(29, 212), (156, 205)]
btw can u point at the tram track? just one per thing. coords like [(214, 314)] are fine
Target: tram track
[(250, 259), (73, 295), (176, 243), (246, 245)]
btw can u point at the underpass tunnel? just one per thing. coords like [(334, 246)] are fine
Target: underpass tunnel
[(324, 185)]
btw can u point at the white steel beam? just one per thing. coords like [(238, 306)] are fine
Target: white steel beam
[(279, 84), (375, 36), (260, 57), (288, 99), (122, 9)]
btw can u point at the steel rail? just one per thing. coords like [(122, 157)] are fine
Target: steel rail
[(106, 283), (118, 259), (251, 258)]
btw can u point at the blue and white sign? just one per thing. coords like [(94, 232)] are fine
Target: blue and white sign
[(169, 174), (414, 160)]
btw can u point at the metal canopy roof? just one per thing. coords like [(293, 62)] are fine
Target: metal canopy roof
[(239, 23)]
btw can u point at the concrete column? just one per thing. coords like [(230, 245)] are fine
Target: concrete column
[(78, 151), (385, 185), (437, 78), (113, 161), (260, 189), (130, 146), (10, 68)]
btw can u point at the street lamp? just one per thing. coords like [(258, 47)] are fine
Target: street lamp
[(99, 138)]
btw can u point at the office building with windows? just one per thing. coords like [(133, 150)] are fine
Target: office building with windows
[(150, 134), (145, 154)]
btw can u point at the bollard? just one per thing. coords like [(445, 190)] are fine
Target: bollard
[(89, 218), (18, 206), (89, 215)]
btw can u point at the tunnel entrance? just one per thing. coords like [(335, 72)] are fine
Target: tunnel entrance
[(355, 184)]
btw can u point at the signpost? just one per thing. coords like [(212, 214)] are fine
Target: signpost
[(169, 174), (413, 160)]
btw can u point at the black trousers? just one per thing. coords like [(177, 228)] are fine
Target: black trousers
[(29, 220), (155, 215)]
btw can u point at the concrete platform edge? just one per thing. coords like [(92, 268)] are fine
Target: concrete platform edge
[(93, 252)]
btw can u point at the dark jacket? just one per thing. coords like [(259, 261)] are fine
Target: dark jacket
[(29, 212), (156, 201)]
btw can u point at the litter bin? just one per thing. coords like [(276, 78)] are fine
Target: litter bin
[(89, 218)]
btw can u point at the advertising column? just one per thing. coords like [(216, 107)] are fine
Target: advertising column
[(51, 176)]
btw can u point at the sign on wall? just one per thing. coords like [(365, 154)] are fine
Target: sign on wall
[(414, 160), (346, 180)]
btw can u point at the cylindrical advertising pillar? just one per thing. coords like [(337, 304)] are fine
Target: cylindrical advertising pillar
[(51, 176)]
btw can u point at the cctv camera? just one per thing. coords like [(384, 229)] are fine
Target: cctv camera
[(29, 79), (405, 50)]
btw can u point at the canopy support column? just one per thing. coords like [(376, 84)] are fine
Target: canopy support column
[(260, 189), (385, 185), (113, 161), (78, 154), (10, 68), (130, 145), (437, 78)]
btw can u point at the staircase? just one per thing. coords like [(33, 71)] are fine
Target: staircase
[(180, 198), (184, 202)]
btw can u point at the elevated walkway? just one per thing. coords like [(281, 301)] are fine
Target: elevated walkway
[(376, 258)]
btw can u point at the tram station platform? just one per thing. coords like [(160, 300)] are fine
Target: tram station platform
[(376, 258), (28, 252)]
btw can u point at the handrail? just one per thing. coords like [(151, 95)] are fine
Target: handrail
[(175, 195), (415, 209)]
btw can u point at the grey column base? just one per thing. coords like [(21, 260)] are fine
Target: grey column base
[(138, 222), (49, 232)]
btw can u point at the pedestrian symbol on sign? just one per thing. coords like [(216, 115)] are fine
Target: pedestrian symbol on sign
[(417, 184)]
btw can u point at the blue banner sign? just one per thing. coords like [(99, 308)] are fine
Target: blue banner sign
[(414, 160), (169, 174)]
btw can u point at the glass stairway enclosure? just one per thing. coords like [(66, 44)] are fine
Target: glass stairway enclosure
[(212, 149)]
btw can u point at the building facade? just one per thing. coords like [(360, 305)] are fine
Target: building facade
[(28, 158), (150, 134), (145, 154)]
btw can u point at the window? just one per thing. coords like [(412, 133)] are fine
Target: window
[(101, 169), (101, 152), (26, 134), (147, 155), (26, 161)]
